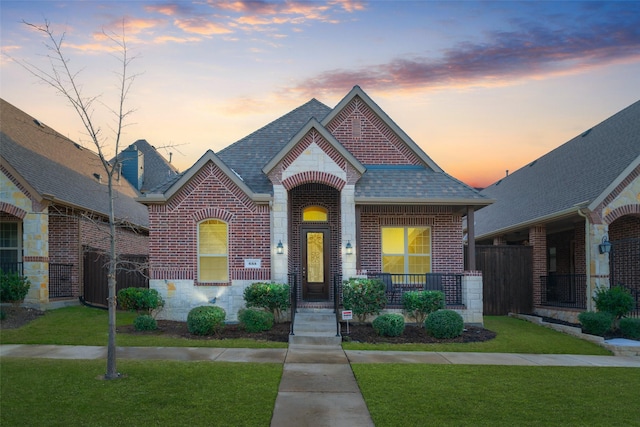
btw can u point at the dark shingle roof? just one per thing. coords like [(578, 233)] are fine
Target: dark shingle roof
[(412, 182), (157, 169), (577, 172), (54, 165), (249, 155)]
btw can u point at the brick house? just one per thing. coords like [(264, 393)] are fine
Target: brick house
[(54, 207), (578, 206), (318, 195)]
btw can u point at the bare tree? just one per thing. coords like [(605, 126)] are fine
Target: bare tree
[(65, 81)]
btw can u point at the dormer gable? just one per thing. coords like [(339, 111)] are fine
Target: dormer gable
[(370, 135)]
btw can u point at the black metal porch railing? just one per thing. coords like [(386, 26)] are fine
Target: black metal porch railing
[(293, 298), (397, 284), (337, 299), (12, 267), (60, 282), (564, 290)]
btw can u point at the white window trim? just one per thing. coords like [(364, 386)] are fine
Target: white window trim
[(199, 255), (406, 254)]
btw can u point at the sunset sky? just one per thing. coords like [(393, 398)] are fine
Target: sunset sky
[(482, 87)]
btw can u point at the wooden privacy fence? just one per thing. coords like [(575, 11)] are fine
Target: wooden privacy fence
[(507, 278), (132, 272)]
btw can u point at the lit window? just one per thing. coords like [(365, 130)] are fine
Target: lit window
[(315, 213), (406, 250), (10, 246), (213, 251)]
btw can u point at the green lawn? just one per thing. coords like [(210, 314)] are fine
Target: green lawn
[(513, 336), (464, 395), (39, 392), (80, 325)]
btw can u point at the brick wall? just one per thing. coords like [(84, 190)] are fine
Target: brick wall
[(624, 228), (446, 234), (538, 239), (209, 194), (368, 138)]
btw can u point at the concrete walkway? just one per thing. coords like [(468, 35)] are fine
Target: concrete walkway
[(297, 354)]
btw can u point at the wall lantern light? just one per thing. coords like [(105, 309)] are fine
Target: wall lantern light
[(348, 248), (280, 248), (605, 246)]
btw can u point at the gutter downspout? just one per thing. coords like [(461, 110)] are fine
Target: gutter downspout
[(587, 255)]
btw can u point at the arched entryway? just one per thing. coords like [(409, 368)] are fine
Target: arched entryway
[(315, 236), (624, 259)]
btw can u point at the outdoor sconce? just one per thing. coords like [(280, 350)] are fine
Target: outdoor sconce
[(605, 246), (280, 248), (348, 248)]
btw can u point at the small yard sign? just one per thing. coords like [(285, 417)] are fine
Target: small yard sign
[(347, 314)]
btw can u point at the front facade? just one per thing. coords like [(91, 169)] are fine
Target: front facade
[(579, 208), (54, 209), (318, 196)]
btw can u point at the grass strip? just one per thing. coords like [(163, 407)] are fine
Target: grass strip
[(464, 395), (513, 336), (43, 392)]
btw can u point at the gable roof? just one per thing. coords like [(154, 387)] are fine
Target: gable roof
[(358, 92), (58, 169), (578, 174), (251, 158)]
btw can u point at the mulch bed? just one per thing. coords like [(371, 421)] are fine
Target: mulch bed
[(17, 317)]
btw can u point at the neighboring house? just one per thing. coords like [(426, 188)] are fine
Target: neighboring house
[(319, 195), (144, 167), (54, 207), (572, 205)]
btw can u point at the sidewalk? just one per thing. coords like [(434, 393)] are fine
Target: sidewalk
[(279, 355)]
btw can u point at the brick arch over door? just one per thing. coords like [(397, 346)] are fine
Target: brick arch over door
[(622, 211), (12, 210), (318, 177)]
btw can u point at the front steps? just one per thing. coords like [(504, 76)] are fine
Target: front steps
[(315, 326)]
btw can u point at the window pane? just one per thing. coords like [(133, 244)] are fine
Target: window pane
[(9, 235), (392, 240), (393, 264), (419, 264), (213, 269), (213, 238), (315, 213), (315, 257), (8, 256), (419, 240)]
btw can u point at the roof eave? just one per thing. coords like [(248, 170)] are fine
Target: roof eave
[(611, 187), (421, 201)]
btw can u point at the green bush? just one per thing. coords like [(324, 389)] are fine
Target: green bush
[(616, 300), (389, 325), (206, 320), (596, 323), (140, 300), (145, 322), (13, 288), (252, 320), (419, 304), (630, 328), (444, 324), (3, 314), (364, 297), (270, 296)]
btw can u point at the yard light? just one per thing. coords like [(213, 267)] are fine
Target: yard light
[(280, 248)]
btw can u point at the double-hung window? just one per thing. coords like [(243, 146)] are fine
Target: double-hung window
[(213, 251), (406, 250), (10, 246)]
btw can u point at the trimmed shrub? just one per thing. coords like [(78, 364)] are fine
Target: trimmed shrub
[(140, 300), (255, 320), (13, 288), (389, 325), (630, 328), (444, 324), (596, 323), (364, 297), (270, 296), (206, 320), (419, 304), (616, 300), (145, 322)]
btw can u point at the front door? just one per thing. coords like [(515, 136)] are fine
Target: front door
[(315, 264)]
